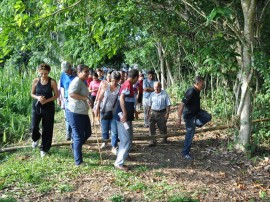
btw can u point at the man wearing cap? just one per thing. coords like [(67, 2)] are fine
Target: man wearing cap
[(65, 79)]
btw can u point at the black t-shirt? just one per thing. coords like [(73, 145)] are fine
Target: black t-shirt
[(192, 103)]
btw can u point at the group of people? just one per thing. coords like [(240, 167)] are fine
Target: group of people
[(113, 100)]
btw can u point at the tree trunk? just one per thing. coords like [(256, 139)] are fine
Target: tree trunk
[(244, 109), (162, 63), (169, 73)]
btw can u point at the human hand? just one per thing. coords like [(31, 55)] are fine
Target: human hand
[(178, 122), (42, 100), (124, 117)]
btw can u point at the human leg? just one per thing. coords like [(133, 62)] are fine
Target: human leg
[(162, 125), (105, 128), (202, 118), (114, 132), (125, 137), (152, 129), (47, 128), (77, 136), (145, 110), (36, 118), (190, 130)]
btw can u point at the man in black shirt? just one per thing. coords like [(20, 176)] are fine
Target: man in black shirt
[(192, 113)]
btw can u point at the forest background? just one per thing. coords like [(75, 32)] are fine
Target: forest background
[(224, 41)]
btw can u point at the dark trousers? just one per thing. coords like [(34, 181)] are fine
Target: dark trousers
[(159, 119), (46, 115), (199, 120)]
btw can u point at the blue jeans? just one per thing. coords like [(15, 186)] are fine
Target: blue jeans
[(125, 137), (81, 131), (199, 120), (106, 126)]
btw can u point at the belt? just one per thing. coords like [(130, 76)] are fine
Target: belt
[(163, 110)]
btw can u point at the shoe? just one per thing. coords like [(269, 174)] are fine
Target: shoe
[(164, 140), (123, 168), (81, 164), (68, 138), (188, 157), (115, 150), (34, 144), (103, 145), (43, 153), (146, 126), (152, 143)]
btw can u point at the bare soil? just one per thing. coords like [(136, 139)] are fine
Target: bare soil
[(216, 174)]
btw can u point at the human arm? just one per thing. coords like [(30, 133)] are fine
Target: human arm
[(100, 96), (179, 114), (147, 87), (55, 93), (167, 112), (40, 98), (123, 107)]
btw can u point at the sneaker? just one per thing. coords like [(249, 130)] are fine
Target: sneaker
[(146, 126), (188, 157), (82, 164), (103, 145), (115, 150), (123, 168), (164, 140), (152, 143), (34, 144), (43, 153)]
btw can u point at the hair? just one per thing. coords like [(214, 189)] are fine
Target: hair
[(80, 67), (44, 66), (198, 79), (99, 70), (115, 75), (95, 74), (133, 73), (65, 66), (157, 83), (151, 72)]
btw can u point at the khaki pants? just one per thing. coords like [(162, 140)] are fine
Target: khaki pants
[(159, 119)]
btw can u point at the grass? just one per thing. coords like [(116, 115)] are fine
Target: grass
[(25, 173)]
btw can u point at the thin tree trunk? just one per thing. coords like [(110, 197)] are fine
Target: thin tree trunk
[(244, 108), (162, 63)]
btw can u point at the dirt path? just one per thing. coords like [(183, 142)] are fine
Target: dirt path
[(216, 174)]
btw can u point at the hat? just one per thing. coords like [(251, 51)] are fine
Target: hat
[(65, 66)]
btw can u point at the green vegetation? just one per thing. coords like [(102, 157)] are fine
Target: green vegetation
[(56, 173)]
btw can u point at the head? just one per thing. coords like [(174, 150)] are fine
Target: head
[(133, 76), (108, 76), (99, 72), (150, 75), (82, 71), (95, 76), (115, 77), (157, 87), (198, 83), (44, 70), (66, 67), (141, 76)]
